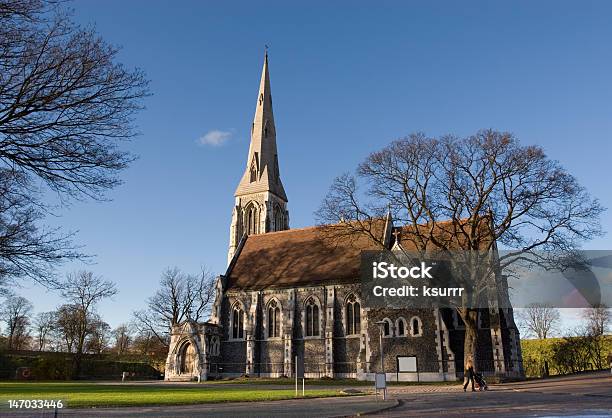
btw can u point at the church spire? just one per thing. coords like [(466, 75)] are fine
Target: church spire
[(262, 171), (261, 202)]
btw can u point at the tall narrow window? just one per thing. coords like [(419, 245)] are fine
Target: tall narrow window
[(251, 220), (349, 319), (353, 316), (253, 169), (279, 218), (273, 320), (237, 322), (312, 318), (400, 326), (415, 327), (357, 309), (386, 327)]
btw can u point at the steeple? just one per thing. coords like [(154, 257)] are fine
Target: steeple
[(261, 202), (262, 171)]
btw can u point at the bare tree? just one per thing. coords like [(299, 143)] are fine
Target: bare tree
[(598, 319), (84, 291), (44, 324), (67, 326), (66, 105), (464, 196), (99, 336), (180, 297), (15, 314), (148, 344), (539, 319), (25, 248), (123, 338)]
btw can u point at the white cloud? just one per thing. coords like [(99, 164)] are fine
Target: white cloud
[(214, 138)]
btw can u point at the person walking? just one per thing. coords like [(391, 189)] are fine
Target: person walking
[(469, 374)]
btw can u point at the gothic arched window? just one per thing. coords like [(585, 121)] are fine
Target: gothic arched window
[(273, 319), (400, 326), (251, 221), (416, 328), (279, 218), (213, 348), (312, 318), (387, 328), (237, 322), (353, 315)]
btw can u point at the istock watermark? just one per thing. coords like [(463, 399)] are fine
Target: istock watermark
[(407, 280), (383, 270), (480, 280)]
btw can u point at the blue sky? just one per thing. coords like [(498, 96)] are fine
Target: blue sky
[(347, 78)]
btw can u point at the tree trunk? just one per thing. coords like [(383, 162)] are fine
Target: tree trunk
[(470, 344)]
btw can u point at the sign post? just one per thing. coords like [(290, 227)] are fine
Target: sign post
[(383, 375), (381, 383)]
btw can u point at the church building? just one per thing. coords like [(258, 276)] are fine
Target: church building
[(290, 301)]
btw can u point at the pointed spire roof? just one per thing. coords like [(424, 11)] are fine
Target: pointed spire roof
[(262, 172)]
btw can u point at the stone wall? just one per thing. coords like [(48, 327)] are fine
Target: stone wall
[(438, 348), (422, 346)]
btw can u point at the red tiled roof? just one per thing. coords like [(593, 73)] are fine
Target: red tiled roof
[(297, 257), (313, 256)]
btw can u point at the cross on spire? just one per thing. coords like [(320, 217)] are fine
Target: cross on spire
[(397, 234)]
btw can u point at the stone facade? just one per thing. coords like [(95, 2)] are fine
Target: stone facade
[(193, 348), (437, 341)]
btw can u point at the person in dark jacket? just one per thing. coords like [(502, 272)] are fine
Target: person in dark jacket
[(469, 374)]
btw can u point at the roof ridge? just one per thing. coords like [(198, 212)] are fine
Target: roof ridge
[(283, 231)]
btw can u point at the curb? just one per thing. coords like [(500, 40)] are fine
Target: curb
[(398, 402)]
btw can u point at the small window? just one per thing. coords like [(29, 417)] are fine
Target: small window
[(253, 169), (415, 327), (387, 328), (400, 326)]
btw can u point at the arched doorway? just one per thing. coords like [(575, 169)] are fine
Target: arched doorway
[(187, 356)]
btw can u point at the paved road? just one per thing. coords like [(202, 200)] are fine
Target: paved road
[(583, 396)]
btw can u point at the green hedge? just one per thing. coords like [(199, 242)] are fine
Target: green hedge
[(58, 366), (564, 355)]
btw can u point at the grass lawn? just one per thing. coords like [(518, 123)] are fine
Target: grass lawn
[(78, 394)]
